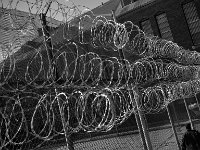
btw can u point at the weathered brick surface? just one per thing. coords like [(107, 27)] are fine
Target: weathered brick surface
[(175, 15)]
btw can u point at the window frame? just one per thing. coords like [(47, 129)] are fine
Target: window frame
[(132, 1), (141, 26), (189, 22), (161, 26)]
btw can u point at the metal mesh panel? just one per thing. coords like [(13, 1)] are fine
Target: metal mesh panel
[(127, 142), (162, 138)]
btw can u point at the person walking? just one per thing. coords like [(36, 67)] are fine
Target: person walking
[(191, 139)]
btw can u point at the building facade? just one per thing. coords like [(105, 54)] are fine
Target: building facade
[(175, 20)]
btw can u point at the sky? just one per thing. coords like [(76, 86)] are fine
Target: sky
[(41, 5), (90, 3)]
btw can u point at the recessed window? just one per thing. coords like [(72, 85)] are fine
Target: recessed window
[(164, 27), (193, 21), (146, 27), (127, 2)]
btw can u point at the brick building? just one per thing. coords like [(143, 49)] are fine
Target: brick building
[(176, 20)]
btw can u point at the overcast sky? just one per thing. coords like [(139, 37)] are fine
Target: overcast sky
[(24, 6), (90, 3)]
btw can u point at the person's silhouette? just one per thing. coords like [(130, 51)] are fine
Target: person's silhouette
[(191, 139)]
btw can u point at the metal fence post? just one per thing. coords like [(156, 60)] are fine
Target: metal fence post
[(142, 120), (188, 113), (173, 127), (138, 115)]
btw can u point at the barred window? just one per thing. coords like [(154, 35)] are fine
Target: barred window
[(164, 27), (127, 2), (146, 27), (193, 21)]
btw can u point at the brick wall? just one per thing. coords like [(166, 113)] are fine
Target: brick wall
[(175, 16)]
